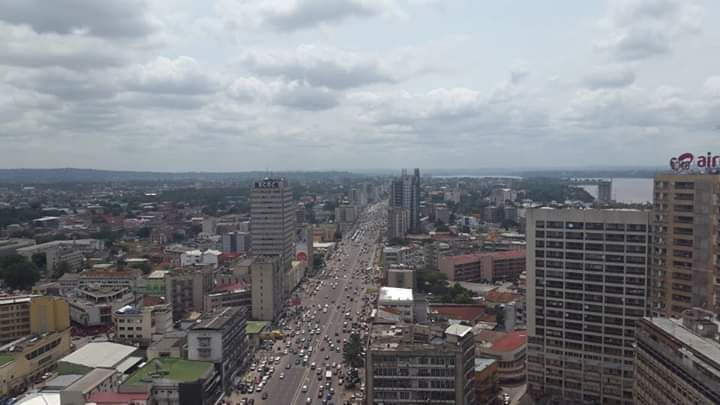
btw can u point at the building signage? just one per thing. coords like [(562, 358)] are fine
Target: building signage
[(685, 161)]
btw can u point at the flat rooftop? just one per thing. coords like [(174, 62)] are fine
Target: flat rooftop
[(254, 327), (100, 354), (393, 294), (708, 347), (218, 319), (172, 369)]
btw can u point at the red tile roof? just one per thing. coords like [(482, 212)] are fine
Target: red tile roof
[(231, 287), (151, 300), (475, 257), (511, 341), (470, 313), (502, 297)]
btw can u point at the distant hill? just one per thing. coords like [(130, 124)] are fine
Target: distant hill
[(70, 175)]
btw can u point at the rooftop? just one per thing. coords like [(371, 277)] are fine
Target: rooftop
[(458, 330), (172, 369), (254, 327), (100, 354), (91, 380), (117, 397), (470, 313), (217, 320), (510, 342), (6, 358), (481, 363), (706, 346), (393, 294)]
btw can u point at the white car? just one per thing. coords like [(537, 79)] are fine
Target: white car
[(304, 388)]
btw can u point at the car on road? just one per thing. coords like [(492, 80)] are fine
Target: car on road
[(304, 388)]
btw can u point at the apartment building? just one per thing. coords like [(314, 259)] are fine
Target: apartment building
[(401, 276), (140, 325), (484, 267), (415, 364), (398, 222), (236, 242), (587, 288), (219, 337), (684, 270), (267, 286), (185, 290), (678, 361), (232, 295)]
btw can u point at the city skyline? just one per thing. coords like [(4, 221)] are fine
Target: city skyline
[(155, 85)]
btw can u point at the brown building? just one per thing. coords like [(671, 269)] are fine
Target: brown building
[(486, 266), (684, 266), (486, 381)]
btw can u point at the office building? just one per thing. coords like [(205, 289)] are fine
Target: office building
[(10, 246), (219, 337), (267, 286), (398, 222), (173, 381), (510, 351), (95, 306), (484, 267), (586, 290), (414, 364), (23, 315), (684, 271), (231, 295), (405, 193), (236, 242), (678, 361), (398, 301), (46, 340), (272, 219), (401, 276)]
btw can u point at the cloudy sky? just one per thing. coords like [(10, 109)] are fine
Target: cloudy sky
[(319, 84)]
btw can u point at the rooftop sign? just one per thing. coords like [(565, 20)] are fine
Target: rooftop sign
[(686, 161)]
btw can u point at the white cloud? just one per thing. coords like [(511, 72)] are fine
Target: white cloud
[(181, 75), (318, 66)]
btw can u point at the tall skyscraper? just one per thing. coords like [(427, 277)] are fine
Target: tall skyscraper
[(405, 193), (586, 290), (272, 220), (684, 272)]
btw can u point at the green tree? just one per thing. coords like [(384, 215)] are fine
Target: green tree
[(144, 266), (352, 351), (500, 317), (40, 260), (18, 272)]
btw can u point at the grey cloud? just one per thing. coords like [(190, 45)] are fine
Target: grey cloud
[(609, 77), (318, 66), (308, 98), (640, 45), (308, 13), (640, 29), (101, 18), (21, 46), (181, 76), (66, 85)]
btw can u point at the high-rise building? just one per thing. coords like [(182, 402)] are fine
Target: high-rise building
[(405, 193), (678, 361), (398, 222), (415, 364), (586, 290), (272, 221), (267, 287), (684, 270)]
